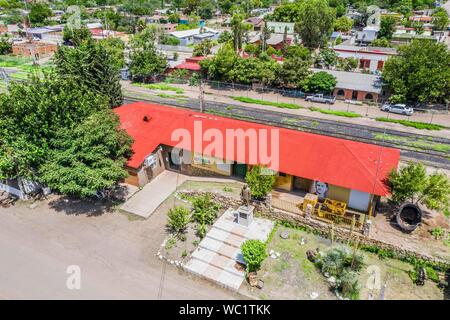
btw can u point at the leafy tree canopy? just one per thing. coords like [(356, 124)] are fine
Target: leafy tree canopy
[(260, 180), (411, 183), (88, 157), (420, 73), (321, 82), (31, 115), (93, 65)]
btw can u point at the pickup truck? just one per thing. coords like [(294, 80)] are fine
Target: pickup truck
[(320, 98)]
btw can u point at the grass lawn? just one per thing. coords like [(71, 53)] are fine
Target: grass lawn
[(346, 114), (293, 276), (172, 96), (268, 103), (419, 144), (160, 86), (414, 124), (12, 61)]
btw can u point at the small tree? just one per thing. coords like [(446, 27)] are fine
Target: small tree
[(321, 82), (254, 252), (178, 218), (260, 182), (5, 45), (203, 48), (412, 183), (205, 209)]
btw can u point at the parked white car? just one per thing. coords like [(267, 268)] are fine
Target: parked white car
[(398, 108)]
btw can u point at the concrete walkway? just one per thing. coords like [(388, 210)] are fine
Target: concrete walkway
[(218, 253), (145, 202)]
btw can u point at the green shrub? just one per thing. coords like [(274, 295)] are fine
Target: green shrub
[(414, 124), (204, 209), (348, 284), (178, 218), (437, 233), (259, 181), (202, 229), (268, 103), (171, 243), (336, 112), (254, 252), (432, 274)]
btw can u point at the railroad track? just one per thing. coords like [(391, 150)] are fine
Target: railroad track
[(432, 150)]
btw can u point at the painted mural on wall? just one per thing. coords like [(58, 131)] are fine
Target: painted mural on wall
[(320, 188)]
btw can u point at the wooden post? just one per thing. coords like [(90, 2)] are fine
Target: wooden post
[(332, 232)]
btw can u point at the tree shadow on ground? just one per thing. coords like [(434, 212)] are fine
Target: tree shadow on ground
[(77, 206)]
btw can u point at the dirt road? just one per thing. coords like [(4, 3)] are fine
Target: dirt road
[(116, 255)]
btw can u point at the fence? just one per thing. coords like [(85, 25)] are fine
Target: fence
[(357, 220)]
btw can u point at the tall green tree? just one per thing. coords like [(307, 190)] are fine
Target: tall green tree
[(203, 48), (321, 82), (76, 36), (94, 66), (87, 158), (316, 22), (294, 72), (440, 20), (145, 60), (411, 183), (260, 180), (387, 27), (39, 13), (343, 24), (419, 73), (31, 115)]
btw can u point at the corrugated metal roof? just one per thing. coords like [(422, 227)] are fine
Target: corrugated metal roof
[(345, 163)]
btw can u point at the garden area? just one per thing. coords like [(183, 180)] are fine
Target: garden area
[(190, 218), (338, 271)]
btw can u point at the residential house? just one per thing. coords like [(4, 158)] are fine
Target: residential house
[(193, 36), (256, 22), (34, 49), (191, 64), (345, 170), (280, 27), (276, 40), (367, 35), (355, 85), (370, 58), (48, 33)]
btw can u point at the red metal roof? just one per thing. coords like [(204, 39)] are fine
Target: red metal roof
[(340, 162), (189, 66)]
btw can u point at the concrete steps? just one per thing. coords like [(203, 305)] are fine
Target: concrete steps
[(210, 272), (231, 239), (217, 260)]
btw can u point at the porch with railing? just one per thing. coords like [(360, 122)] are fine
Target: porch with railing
[(293, 203)]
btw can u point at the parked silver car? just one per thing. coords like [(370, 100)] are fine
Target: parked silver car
[(398, 108)]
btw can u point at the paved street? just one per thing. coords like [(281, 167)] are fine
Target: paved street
[(116, 254)]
